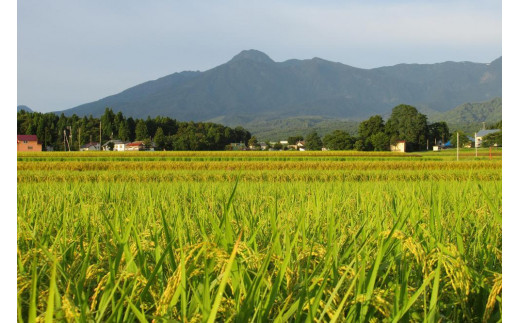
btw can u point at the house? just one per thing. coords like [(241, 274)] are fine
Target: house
[(284, 142), (90, 146), (111, 144), (135, 146), (28, 143), (120, 146), (482, 133), (237, 146), (400, 146)]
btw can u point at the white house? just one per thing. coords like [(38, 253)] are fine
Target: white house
[(399, 146), (120, 146), (106, 145)]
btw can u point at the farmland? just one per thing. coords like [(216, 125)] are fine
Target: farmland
[(259, 236)]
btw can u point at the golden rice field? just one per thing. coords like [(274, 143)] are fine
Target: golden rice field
[(259, 237)]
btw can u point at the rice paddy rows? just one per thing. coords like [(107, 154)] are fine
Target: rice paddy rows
[(314, 244)]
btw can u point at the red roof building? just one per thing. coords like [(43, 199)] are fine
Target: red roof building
[(28, 143), (136, 145)]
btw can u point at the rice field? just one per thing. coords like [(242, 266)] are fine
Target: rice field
[(259, 237)]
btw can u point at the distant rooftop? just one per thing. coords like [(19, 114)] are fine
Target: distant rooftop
[(483, 133)]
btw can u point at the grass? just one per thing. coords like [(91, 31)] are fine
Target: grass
[(245, 245)]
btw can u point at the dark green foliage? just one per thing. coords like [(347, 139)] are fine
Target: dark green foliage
[(463, 139), (253, 142), (406, 123), (338, 140), (438, 131), (159, 139), (492, 139), (379, 141), (294, 139), (170, 134), (372, 126), (313, 141), (359, 145), (278, 146), (124, 131), (141, 131)]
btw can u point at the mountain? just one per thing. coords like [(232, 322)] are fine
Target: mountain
[(252, 86), (468, 117), (23, 107), (489, 111)]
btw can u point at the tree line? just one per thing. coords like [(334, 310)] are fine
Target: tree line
[(166, 133), (405, 123)]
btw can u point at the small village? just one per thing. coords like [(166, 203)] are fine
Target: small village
[(31, 143)]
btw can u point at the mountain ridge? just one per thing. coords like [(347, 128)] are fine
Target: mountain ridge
[(252, 85)]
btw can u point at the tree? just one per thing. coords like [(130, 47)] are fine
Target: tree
[(370, 127), (406, 123), (380, 141), (463, 139), (294, 139), (147, 143), (438, 131), (492, 139), (278, 146), (253, 143), (124, 132), (359, 145), (338, 140), (107, 123), (159, 139), (141, 131), (313, 141)]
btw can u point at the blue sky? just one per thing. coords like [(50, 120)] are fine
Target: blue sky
[(72, 52)]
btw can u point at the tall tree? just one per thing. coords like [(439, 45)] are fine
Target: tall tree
[(438, 131), (313, 141), (141, 131), (372, 126), (406, 123), (492, 139), (123, 132), (107, 124), (338, 140), (159, 139)]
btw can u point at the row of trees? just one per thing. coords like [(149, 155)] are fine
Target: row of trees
[(167, 133), (405, 123)]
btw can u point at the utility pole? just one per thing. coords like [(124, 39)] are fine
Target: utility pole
[(65, 141), (100, 131), (70, 135), (457, 146), (79, 138)]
